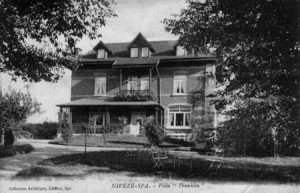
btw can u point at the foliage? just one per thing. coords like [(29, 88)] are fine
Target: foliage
[(153, 131), (24, 148), (46, 130), (23, 135), (179, 142), (258, 44), (134, 97), (196, 97), (38, 38), (15, 107), (65, 128), (203, 131)]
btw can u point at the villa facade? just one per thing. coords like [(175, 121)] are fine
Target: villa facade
[(127, 82)]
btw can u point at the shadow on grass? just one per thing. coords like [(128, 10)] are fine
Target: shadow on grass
[(141, 164), (16, 149)]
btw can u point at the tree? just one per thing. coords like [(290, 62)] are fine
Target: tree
[(257, 43), (16, 106), (38, 38)]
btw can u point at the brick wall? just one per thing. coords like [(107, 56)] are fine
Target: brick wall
[(83, 82), (194, 82)]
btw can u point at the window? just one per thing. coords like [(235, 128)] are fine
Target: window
[(101, 53), (134, 52), (180, 51), (179, 116), (132, 84), (180, 84), (100, 86), (97, 119), (145, 52), (145, 83)]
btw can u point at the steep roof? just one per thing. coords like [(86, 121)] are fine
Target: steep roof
[(119, 55), (165, 48)]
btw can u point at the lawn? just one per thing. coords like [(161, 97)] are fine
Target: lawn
[(139, 163)]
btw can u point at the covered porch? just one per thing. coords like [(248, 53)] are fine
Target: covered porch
[(108, 116)]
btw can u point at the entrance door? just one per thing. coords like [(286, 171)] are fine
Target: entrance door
[(135, 125)]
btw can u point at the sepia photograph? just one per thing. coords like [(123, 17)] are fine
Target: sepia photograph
[(178, 96)]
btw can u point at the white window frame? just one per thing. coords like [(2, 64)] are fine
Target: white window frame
[(145, 83), (132, 80), (100, 81), (93, 120), (145, 52), (132, 52), (182, 81), (101, 53), (184, 126)]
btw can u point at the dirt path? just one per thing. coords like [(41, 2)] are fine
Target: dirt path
[(10, 166)]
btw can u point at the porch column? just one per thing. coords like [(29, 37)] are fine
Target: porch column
[(60, 115), (156, 115), (150, 78), (161, 118), (120, 86), (107, 116), (60, 118), (70, 117)]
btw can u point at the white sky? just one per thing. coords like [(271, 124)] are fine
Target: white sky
[(134, 16)]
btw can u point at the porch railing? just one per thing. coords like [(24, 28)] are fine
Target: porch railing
[(107, 129)]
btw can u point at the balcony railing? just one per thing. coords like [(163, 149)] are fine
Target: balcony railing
[(135, 92)]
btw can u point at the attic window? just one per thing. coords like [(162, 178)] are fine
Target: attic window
[(180, 51), (101, 53), (134, 52), (145, 52)]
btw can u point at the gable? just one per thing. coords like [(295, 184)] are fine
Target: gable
[(141, 41)]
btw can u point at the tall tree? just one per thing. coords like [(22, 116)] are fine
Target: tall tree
[(55, 26), (257, 42)]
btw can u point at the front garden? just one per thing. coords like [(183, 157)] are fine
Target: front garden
[(140, 163)]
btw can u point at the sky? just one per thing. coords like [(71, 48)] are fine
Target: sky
[(134, 16)]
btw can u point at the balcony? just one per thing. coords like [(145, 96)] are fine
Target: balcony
[(135, 95), (135, 92)]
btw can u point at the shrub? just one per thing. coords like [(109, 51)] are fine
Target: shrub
[(23, 135), (47, 130), (66, 130), (25, 148), (153, 131)]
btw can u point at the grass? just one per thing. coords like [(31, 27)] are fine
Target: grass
[(282, 170), (127, 141), (16, 149)]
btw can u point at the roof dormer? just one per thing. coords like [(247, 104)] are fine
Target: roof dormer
[(180, 51), (102, 50), (140, 47)]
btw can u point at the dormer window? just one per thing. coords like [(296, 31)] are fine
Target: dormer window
[(140, 47), (145, 52), (101, 53), (180, 51), (134, 52), (102, 50)]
